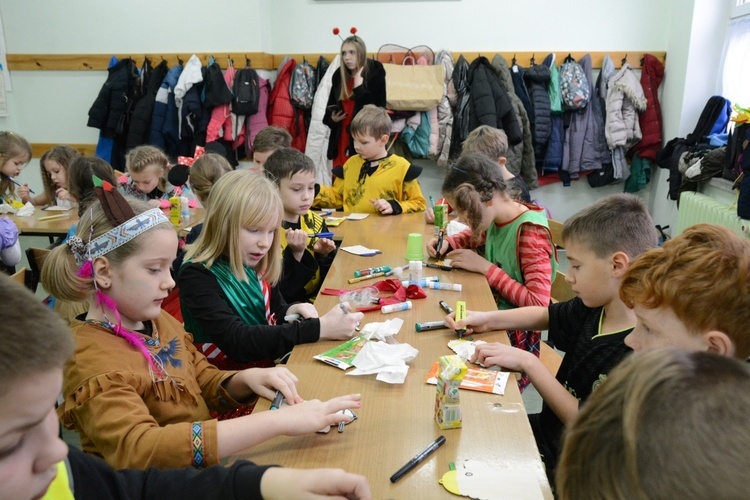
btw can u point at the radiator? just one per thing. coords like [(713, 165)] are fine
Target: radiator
[(696, 208)]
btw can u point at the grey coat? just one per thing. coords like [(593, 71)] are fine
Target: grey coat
[(579, 145)]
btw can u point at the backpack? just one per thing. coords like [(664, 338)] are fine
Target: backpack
[(302, 86), (246, 89), (574, 86)]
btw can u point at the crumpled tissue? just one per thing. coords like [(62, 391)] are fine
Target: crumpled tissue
[(379, 330), (26, 211), (7, 209), (387, 360)]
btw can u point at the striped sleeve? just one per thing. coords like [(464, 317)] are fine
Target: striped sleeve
[(534, 254), (463, 240)]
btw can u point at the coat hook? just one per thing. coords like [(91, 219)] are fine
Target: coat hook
[(513, 61), (624, 60)]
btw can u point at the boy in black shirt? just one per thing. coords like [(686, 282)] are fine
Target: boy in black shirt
[(600, 242)]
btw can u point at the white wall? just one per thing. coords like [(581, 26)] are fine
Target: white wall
[(52, 106)]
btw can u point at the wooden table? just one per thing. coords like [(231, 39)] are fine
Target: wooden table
[(397, 421), (59, 226)]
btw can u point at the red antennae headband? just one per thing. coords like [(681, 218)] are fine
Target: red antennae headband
[(337, 32)]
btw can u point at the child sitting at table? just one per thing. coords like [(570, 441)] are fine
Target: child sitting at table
[(15, 153), (306, 258), (269, 140), (373, 180), (493, 143), (148, 168), (229, 290), (692, 293), (601, 240), (80, 180), (519, 259), (54, 166), (665, 424), (136, 389), (34, 345)]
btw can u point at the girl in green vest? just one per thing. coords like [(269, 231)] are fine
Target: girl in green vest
[(508, 241)]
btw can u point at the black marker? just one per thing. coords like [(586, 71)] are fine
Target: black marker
[(418, 459), (442, 267), (277, 400), (444, 305), (430, 325)]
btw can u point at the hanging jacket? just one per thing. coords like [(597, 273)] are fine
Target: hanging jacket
[(553, 156), (257, 122), (223, 123), (445, 108), (108, 112), (652, 74), (520, 156), (190, 75), (105, 145), (579, 151), (140, 122), (537, 79), (625, 100), (372, 91), (599, 102), (432, 122), (319, 134), (519, 85), (416, 135), (461, 111), (489, 103), (281, 112), (215, 89), (164, 126)]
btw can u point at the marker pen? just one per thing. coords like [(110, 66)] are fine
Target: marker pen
[(277, 400), (371, 270), (445, 307), (430, 325), (460, 314), (418, 459), (401, 306)]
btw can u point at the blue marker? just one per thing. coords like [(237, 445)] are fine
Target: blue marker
[(328, 235), (20, 185)]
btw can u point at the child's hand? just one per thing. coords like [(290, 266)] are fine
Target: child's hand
[(474, 322), (470, 260), (502, 355), (266, 381), (358, 79), (283, 483), (296, 239), (338, 324), (63, 194), (23, 193), (432, 251), (304, 309), (382, 206), (314, 415), (324, 246), (429, 215)]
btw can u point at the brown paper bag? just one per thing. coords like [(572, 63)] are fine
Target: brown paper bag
[(413, 87)]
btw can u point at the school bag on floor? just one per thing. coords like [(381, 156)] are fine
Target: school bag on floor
[(574, 86)]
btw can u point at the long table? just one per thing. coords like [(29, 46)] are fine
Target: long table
[(59, 226), (396, 422)]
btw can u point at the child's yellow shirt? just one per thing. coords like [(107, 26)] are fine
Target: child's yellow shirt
[(394, 179)]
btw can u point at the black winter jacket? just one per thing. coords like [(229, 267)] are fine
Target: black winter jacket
[(108, 113), (537, 79), (461, 113), (489, 104), (140, 121)]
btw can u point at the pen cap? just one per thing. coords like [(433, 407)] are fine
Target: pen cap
[(414, 250)]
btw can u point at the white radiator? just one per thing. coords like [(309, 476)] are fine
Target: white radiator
[(696, 208)]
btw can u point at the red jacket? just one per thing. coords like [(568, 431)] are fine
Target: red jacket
[(652, 73), (281, 113)]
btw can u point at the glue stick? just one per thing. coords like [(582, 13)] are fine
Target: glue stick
[(401, 306), (436, 285), (174, 210)]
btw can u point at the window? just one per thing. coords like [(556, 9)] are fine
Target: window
[(735, 74)]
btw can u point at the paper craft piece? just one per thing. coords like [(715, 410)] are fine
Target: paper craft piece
[(387, 360), (361, 250), (356, 216), (26, 211), (464, 348), (342, 355), (483, 481), (379, 330), (476, 379), (334, 221)]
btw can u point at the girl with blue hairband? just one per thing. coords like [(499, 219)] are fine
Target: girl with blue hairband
[(136, 389)]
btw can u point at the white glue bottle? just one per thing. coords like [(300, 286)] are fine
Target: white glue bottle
[(415, 272)]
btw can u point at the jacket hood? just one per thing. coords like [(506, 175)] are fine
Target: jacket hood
[(653, 68), (626, 81), (503, 72), (539, 73)]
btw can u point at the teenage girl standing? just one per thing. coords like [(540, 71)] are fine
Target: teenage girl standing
[(358, 82)]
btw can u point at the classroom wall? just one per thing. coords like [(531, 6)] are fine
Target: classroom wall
[(52, 106)]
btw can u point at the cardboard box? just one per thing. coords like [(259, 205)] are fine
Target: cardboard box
[(451, 370)]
